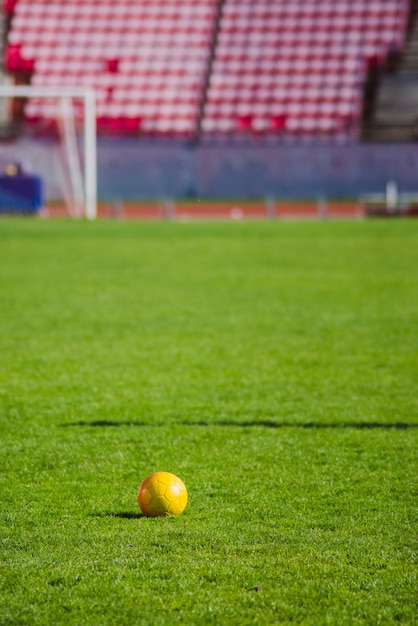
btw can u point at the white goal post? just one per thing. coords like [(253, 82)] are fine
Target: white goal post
[(63, 94)]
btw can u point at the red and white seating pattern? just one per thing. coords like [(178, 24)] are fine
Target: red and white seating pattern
[(297, 67), (279, 66), (146, 60)]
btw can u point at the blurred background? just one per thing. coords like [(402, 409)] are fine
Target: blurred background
[(271, 99)]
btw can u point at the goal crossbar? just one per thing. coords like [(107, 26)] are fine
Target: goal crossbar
[(87, 95)]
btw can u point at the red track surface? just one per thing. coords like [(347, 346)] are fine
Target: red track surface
[(222, 210)]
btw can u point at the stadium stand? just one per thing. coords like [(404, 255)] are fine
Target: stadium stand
[(147, 61), (298, 67), (219, 68)]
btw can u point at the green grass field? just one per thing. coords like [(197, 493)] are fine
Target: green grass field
[(272, 366)]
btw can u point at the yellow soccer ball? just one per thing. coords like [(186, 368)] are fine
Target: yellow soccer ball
[(162, 493)]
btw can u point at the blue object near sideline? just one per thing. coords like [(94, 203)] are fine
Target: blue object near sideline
[(22, 193)]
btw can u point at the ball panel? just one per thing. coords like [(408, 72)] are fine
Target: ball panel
[(164, 477), (158, 488), (146, 495), (177, 506), (146, 508), (160, 506), (172, 491)]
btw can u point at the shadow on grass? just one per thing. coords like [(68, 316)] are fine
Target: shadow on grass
[(254, 423), (106, 424), (312, 425), (120, 515)]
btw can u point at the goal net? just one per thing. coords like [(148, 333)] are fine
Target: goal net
[(51, 133)]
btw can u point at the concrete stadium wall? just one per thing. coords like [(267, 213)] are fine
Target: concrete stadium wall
[(128, 169)]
